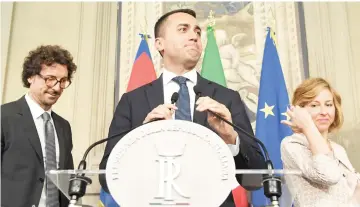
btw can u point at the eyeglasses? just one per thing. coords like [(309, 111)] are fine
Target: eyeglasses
[(51, 81)]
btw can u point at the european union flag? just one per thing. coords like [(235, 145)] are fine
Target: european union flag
[(106, 200), (272, 105)]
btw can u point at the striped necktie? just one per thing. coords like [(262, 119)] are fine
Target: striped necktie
[(52, 193)]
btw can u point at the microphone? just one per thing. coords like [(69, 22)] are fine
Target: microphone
[(174, 97), (271, 183), (78, 183)]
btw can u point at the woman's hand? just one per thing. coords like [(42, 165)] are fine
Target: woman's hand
[(300, 119)]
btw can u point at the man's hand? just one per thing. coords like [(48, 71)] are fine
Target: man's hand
[(226, 132), (163, 111)]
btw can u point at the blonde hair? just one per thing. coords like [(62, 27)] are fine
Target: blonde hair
[(309, 89)]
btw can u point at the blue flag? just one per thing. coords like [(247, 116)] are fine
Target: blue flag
[(106, 200), (272, 105)]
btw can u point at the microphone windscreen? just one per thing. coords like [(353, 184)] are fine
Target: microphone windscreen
[(174, 97)]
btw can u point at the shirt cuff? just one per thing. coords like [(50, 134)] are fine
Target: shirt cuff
[(235, 148)]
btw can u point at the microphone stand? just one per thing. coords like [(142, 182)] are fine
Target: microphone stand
[(78, 182), (271, 182)]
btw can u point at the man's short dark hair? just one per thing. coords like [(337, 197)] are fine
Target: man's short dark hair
[(47, 55), (161, 21)]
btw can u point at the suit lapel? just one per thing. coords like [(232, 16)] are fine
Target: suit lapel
[(155, 93), (29, 128), (207, 88), (61, 139)]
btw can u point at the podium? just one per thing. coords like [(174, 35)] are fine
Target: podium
[(173, 163), (251, 179)]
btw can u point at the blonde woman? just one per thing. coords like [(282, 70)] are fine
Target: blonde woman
[(328, 178)]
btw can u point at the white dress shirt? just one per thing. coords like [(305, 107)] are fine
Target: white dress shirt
[(171, 86), (36, 112)]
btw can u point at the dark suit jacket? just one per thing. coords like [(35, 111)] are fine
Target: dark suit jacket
[(135, 105), (22, 165)]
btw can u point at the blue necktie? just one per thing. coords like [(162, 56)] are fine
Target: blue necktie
[(183, 103)]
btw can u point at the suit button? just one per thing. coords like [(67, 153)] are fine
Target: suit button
[(33, 206), (41, 180), (246, 158)]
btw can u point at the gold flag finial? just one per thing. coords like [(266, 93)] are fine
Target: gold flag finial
[(273, 36), (211, 18)]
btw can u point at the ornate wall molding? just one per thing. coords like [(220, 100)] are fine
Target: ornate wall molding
[(295, 48), (137, 17), (283, 18), (158, 8), (261, 23), (128, 36)]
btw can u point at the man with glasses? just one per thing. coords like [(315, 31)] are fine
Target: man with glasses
[(34, 139)]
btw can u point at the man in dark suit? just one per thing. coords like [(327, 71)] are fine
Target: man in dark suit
[(35, 139), (178, 41)]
